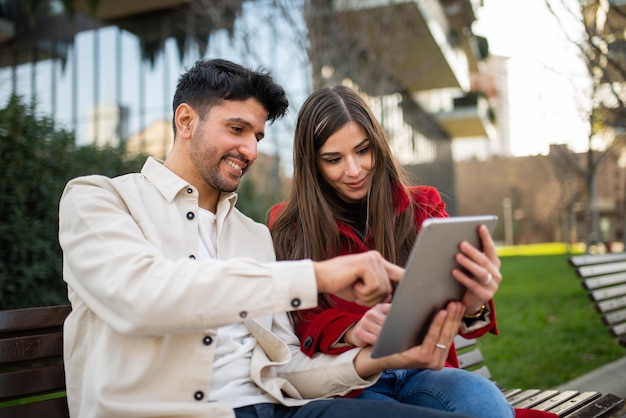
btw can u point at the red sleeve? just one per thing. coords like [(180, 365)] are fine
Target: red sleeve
[(428, 203), (320, 328)]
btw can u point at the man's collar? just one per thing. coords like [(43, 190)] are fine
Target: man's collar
[(170, 184)]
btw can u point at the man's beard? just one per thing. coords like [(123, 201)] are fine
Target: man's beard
[(214, 178)]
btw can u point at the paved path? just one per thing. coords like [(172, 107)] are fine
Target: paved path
[(610, 378)]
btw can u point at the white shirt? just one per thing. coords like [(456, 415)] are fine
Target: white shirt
[(233, 345)]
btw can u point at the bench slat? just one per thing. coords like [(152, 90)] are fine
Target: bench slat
[(32, 382), (33, 318), (598, 408), (604, 278), (470, 358), (538, 398), (32, 347), (52, 408), (522, 396), (560, 403), (556, 400), (31, 355), (608, 292), (618, 330), (613, 318), (461, 342), (600, 269), (574, 403), (611, 304), (603, 281), (510, 392), (585, 259)]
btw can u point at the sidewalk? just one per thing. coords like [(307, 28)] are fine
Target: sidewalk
[(610, 378)]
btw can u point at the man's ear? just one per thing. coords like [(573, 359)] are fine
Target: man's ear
[(183, 118)]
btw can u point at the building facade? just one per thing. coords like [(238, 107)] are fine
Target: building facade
[(542, 198), (107, 70)]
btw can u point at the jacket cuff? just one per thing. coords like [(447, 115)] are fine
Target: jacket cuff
[(322, 334), (479, 327)]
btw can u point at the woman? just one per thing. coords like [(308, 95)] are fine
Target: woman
[(349, 195)]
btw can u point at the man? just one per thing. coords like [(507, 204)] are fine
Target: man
[(177, 301)]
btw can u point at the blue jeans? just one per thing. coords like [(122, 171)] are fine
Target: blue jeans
[(448, 389), (342, 408)]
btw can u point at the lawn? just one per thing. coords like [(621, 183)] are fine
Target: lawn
[(549, 332)]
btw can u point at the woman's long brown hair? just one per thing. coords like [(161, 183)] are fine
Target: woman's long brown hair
[(306, 226)]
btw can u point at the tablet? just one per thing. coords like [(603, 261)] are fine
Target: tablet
[(428, 285)]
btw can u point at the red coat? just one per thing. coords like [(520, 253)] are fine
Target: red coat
[(320, 328)]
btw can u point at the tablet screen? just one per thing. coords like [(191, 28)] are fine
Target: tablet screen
[(428, 285)]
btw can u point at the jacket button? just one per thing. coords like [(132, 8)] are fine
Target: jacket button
[(296, 302), (190, 215), (198, 396), (308, 341), (243, 314), (189, 190), (207, 340)]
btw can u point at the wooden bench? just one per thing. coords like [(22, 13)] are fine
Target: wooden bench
[(32, 379), (31, 372), (566, 404), (604, 277)]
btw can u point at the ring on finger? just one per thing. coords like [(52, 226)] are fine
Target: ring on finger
[(442, 346), (487, 280)]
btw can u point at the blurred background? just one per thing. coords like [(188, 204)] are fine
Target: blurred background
[(508, 107), (531, 129)]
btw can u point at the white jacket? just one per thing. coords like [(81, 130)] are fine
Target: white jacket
[(135, 343)]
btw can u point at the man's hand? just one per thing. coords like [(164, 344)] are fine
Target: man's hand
[(431, 354), (364, 278)]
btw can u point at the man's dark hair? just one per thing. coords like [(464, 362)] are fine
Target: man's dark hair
[(212, 81)]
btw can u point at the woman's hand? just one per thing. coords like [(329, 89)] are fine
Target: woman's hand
[(366, 330), (483, 271), (431, 354)]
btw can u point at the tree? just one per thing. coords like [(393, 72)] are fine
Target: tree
[(253, 202), (36, 160), (599, 38)]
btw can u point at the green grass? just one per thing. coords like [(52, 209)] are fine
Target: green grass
[(31, 399), (549, 332)]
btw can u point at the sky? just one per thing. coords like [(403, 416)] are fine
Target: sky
[(545, 75)]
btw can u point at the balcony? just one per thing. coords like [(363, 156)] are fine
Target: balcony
[(115, 9), (152, 21), (471, 117), (412, 42)]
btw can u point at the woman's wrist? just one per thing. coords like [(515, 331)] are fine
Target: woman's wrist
[(347, 336), (475, 314), (366, 366)]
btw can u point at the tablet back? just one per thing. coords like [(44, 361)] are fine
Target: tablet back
[(428, 285)]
